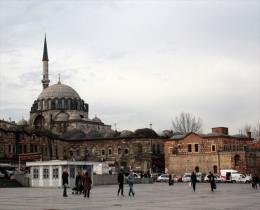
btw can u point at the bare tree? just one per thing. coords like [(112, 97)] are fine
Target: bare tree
[(256, 131), (245, 129), (186, 123)]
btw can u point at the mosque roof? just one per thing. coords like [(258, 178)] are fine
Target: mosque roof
[(58, 91)]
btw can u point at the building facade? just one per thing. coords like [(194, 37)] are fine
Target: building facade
[(19, 144), (211, 152)]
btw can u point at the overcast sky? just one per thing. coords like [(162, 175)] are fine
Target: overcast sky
[(136, 62)]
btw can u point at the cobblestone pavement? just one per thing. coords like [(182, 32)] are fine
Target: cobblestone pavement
[(157, 196)]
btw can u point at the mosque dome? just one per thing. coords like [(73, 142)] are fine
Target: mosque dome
[(58, 91)]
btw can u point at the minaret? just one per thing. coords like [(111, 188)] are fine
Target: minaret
[(45, 60)]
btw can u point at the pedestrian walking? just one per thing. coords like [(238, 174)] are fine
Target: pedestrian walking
[(212, 181), (65, 182), (120, 180), (130, 181), (170, 180), (86, 184), (78, 183), (193, 180), (255, 181)]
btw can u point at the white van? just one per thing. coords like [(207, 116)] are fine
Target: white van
[(236, 177), (230, 175)]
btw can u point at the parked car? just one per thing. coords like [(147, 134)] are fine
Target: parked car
[(2, 175), (137, 175), (186, 177), (216, 177), (163, 178)]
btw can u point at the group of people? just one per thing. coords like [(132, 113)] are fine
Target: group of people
[(211, 178), (130, 181), (82, 183)]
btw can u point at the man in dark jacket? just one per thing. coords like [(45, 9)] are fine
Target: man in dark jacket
[(120, 180), (65, 182), (212, 181), (193, 180)]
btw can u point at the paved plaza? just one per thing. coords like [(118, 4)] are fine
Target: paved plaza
[(155, 196)]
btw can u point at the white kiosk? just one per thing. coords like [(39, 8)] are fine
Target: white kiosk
[(49, 173)]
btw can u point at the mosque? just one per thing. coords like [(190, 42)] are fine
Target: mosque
[(60, 109)]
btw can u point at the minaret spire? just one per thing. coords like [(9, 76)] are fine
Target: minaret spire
[(45, 61), (45, 51)]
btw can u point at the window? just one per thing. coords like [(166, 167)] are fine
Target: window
[(153, 148), (35, 173), (158, 149), (10, 148), (31, 148), (119, 150), (45, 173), (72, 172), (109, 151), (55, 173), (196, 148), (94, 151), (35, 148), (189, 148), (126, 151), (215, 169), (24, 148), (213, 148), (103, 152)]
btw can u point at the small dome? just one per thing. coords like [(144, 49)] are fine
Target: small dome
[(62, 117), (145, 132), (75, 116), (22, 122), (126, 133), (58, 91), (96, 119)]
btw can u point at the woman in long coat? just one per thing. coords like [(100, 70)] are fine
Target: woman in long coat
[(86, 184)]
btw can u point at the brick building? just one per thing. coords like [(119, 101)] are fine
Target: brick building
[(211, 152), (138, 152)]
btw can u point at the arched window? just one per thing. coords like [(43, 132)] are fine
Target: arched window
[(119, 150), (103, 152), (126, 151), (215, 169), (109, 151), (197, 169), (39, 121), (94, 151)]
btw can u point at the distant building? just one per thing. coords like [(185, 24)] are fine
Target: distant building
[(211, 152)]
